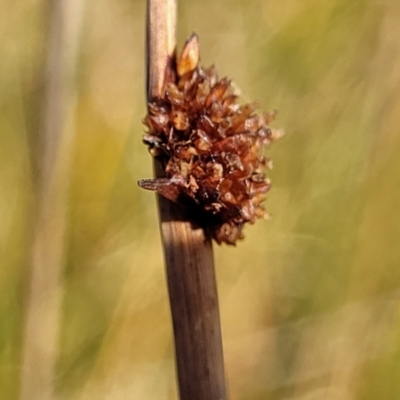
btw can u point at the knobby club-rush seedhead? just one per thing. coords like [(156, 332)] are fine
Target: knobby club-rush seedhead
[(211, 147)]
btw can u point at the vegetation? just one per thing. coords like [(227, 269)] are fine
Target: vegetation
[(309, 300)]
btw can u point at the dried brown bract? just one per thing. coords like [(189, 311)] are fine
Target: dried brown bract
[(211, 147)]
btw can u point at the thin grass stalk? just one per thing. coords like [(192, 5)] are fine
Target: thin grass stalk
[(188, 250), (44, 289)]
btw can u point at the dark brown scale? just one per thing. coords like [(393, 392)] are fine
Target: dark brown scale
[(211, 147)]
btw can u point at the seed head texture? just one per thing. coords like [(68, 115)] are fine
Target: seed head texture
[(211, 147)]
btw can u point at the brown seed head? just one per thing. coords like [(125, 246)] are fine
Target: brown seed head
[(211, 146)]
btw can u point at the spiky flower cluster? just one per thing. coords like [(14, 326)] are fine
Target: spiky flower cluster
[(212, 147)]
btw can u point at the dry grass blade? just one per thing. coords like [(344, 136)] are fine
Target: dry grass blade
[(43, 300)]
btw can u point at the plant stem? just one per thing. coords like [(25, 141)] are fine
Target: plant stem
[(187, 249), (45, 288)]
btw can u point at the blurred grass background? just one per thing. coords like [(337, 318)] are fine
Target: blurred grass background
[(310, 300)]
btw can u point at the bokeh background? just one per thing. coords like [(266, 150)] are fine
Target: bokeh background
[(309, 300)]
